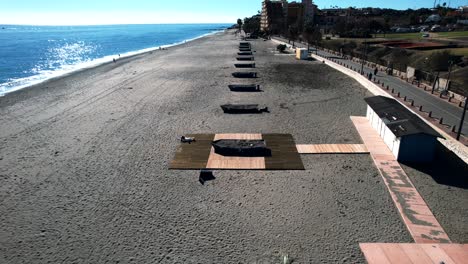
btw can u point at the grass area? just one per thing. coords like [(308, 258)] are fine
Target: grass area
[(417, 35), (454, 34), (455, 51)]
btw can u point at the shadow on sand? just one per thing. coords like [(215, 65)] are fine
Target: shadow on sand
[(206, 176), (447, 168)]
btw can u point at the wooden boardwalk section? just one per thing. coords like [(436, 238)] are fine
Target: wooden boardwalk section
[(332, 149), (201, 155), (415, 253), (416, 215)]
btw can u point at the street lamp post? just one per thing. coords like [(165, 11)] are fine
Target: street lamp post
[(448, 78), (364, 56), (462, 119)]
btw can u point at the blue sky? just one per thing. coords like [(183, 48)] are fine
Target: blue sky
[(53, 12)]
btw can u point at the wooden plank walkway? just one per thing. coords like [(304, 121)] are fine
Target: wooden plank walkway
[(216, 161), (332, 149), (381, 253), (414, 211)]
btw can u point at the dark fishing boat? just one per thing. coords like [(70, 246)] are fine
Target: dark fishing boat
[(244, 88), (243, 109), (245, 74), (241, 148), (250, 58), (245, 65)]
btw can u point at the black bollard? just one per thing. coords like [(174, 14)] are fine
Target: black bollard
[(398, 95), (441, 121), (412, 102), (420, 108), (430, 113), (454, 128), (404, 98), (393, 90)]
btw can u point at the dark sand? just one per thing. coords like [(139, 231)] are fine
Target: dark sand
[(84, 178)]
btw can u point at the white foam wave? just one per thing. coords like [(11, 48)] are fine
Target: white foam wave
[(74, 53)]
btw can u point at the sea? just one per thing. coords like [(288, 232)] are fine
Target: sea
[(33, 54)]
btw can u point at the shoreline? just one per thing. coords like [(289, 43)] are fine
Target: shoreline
[(102, 61)]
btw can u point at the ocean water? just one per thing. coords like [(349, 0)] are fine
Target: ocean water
[(33, 54)]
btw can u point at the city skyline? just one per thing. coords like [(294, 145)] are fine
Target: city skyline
[(88, 12)]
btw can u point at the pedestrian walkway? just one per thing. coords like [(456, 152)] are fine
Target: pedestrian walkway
[(382, 253), (416, 215), (450, 113), (332, 149)]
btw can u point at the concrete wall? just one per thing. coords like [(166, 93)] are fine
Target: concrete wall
[(417, 148)]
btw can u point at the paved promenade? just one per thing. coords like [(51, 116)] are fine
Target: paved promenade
[(440, 108)]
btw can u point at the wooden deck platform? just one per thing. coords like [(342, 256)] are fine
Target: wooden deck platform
[(332, 149), (216, 161), (381, 253), (201, 155), (416, 215)]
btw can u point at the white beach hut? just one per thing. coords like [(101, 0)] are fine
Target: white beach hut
[(409, 138), (302, 54)]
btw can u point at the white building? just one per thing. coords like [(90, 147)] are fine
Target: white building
[(409, 138)]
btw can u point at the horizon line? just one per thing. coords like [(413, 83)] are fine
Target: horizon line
[(119, 24)]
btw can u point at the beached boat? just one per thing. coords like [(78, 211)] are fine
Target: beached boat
[(243, 109), (249, 58), (244, 88), (241, 148), (244, 65), (245, 74)]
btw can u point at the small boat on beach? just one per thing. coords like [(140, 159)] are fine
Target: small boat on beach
[(245, 74), (241, 148), (244, 65), (243, 109), (244, 88), (249, 58)]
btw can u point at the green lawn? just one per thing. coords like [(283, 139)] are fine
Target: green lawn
[(400, 36), (456, 51), (418, 35), (454, 34)]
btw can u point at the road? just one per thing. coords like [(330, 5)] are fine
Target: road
[(440, 108)]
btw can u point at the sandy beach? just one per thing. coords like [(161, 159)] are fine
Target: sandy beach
[(84, 166)]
